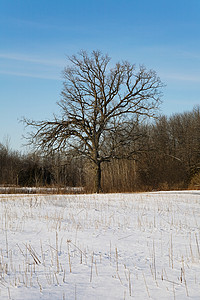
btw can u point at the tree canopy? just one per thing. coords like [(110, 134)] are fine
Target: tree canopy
[(97, 101)]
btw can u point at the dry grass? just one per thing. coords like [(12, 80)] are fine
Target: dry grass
[(142, 242)]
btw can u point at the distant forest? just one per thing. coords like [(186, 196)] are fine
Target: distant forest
[(166, 157)]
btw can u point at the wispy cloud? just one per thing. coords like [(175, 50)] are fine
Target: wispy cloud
[(172, 51), (190, 54), (32, 59), (14, 21), (31, 75), (180, 77), (60, 63), (38, 25), (54, 26), (167, 76)]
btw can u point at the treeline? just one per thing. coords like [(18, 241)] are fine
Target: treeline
[(164, 155), (168, 157), (33, 169)]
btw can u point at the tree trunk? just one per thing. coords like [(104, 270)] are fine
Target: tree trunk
[(97, 179)]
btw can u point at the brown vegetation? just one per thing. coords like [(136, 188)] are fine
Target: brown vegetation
[(168, 157)]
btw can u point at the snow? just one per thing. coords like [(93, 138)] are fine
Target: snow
[(107, 246), (39, 190)]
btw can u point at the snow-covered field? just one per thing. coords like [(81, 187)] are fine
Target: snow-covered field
[(114, 246)]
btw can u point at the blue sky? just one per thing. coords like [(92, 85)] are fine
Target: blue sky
[(36, 37)]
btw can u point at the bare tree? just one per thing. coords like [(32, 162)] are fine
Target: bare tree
[(97, 100)]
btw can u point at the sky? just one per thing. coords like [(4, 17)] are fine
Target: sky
[(36, 37)]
